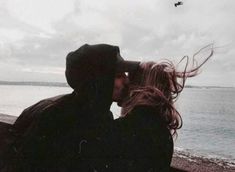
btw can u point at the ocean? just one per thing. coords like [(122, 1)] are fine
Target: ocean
[(208, 116)]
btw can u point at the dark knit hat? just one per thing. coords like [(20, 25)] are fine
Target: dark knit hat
[(91, 61)]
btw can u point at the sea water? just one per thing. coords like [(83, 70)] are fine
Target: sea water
[(208, 122), (208, 116)]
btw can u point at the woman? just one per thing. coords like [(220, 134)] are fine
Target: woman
[(149, 118)]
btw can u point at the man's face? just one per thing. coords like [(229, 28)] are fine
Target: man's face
[(120, 87)]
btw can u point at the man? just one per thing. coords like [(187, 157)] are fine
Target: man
[(65, 133)]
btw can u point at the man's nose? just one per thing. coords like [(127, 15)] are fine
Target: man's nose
[(126, 80)]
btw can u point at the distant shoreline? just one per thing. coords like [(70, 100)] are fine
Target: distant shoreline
[(62, 84), (33, 83)]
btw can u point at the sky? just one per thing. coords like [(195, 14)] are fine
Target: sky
[(36, 36)]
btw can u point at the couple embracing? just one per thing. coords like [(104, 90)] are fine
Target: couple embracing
[(77, 132)]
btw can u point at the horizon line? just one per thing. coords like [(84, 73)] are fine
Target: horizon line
[(64, 84)]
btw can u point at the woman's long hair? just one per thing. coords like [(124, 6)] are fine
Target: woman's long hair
[(158, 85)]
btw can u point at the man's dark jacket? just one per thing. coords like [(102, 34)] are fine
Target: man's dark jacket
[(65, 133)]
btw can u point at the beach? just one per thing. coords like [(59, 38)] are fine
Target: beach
[(187, 162)]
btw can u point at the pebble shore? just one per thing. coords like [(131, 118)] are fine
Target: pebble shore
[(190, 163)]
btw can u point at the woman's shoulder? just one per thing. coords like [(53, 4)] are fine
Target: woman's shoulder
[(145, 115), (145, 111), (149, 119)]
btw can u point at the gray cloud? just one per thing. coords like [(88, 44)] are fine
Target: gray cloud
[(145, 30)]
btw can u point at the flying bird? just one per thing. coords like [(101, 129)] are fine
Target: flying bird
[(178, 3)]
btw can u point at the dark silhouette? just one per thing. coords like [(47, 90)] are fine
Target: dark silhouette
[(178, 3), (68, 132), (149, 117), (76, 132)]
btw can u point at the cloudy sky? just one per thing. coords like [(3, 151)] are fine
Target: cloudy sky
[(36, 35)]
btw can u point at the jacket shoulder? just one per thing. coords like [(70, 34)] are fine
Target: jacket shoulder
[(33, 112)]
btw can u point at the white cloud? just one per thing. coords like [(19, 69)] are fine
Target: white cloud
[(40, 13), (10, 35)]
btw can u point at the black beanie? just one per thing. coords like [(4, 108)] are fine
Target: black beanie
[(90, 62)]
